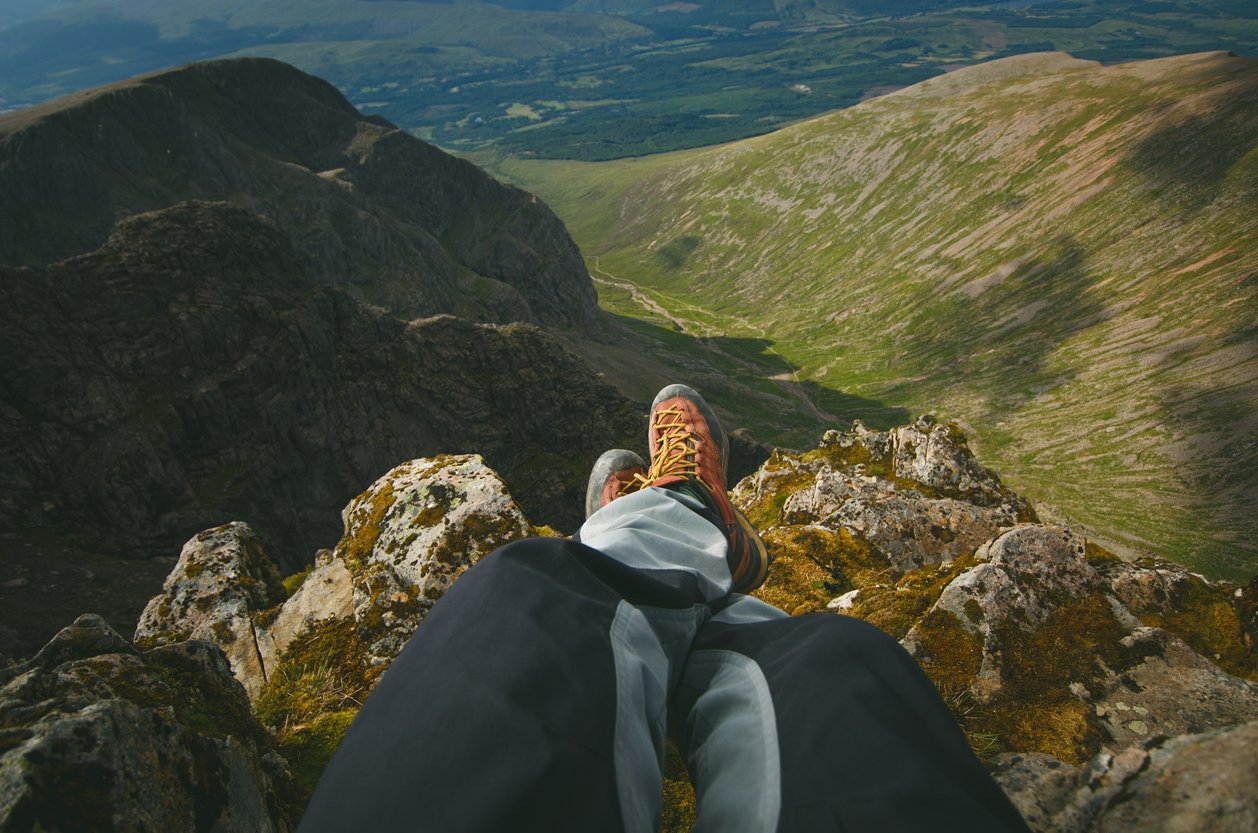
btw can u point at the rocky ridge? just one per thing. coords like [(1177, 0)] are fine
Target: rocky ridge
[(1106, 695), (192, 369), (99, 736), (226, 293), (367, 207)]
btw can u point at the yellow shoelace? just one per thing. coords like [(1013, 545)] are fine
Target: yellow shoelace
[(671, 458)]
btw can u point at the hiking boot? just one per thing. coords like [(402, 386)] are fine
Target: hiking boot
[(613, 475), (689, 454)]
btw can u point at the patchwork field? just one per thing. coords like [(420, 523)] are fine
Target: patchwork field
[(591, 79)]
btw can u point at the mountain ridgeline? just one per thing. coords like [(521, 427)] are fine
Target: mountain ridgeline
[(224, 293), (368, 208)]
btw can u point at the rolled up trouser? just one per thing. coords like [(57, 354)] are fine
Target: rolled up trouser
[(536, 695)]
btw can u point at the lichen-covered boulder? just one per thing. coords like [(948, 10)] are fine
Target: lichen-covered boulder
[(98, 736), (1048, 660), (412, 533), (1202, 783), (222, 579), (913, 496), (407, 539), (1020, 580), (1172, 690), (1219, 620), (938, 457), (307, 662)]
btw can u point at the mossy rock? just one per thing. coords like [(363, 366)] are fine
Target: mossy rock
[(812, 565), (898, 603)]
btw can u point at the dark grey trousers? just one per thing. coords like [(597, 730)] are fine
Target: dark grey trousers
[(536, 695)]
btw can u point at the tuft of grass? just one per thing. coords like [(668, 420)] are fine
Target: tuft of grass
[(294, 582)]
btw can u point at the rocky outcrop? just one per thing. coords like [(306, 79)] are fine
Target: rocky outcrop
[(223, 577), (98, 736), (874, 502), (309, 661), (1202, 782), (1051, 661), (191, 370), (1076, 674), (407, 538), (1108, 685), (367, 206)]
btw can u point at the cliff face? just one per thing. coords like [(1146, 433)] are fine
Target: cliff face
[(367, 207), (191, 369)]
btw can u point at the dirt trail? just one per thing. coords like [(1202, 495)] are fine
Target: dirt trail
[(788, 380)]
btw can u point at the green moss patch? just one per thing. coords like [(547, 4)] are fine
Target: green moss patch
[(896, 605), (679, 796), (799, 585), (310, 698), (310, 748), (949, 652), (366, 517), (811, 565), (1209, 618), (1035, 711), (1096, 553), (294, 582)]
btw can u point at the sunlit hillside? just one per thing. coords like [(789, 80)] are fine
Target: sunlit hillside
[(1063, 257)]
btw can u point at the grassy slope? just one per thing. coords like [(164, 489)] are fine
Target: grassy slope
[(1062, 256)]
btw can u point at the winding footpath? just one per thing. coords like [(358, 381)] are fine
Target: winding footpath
[(788, 380)]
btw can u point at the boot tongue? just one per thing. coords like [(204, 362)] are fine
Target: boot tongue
[(691, 488)]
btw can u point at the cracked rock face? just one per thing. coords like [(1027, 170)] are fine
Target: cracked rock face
[(1201, 783), (87, 721), (1033, 635), (223, 577)]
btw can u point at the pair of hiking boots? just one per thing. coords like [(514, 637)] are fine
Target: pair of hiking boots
[(689, 454)]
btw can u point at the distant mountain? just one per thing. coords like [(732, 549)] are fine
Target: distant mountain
[(1061, 255), (368, 207), (592, 79)]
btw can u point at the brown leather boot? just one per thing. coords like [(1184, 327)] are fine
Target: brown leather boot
[(613, 475), (689, 453)]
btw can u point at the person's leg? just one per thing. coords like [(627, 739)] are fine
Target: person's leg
[(533, 696), (823, 723)]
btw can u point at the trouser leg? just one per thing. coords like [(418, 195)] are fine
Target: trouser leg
[(824, 723), (533, 697)]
